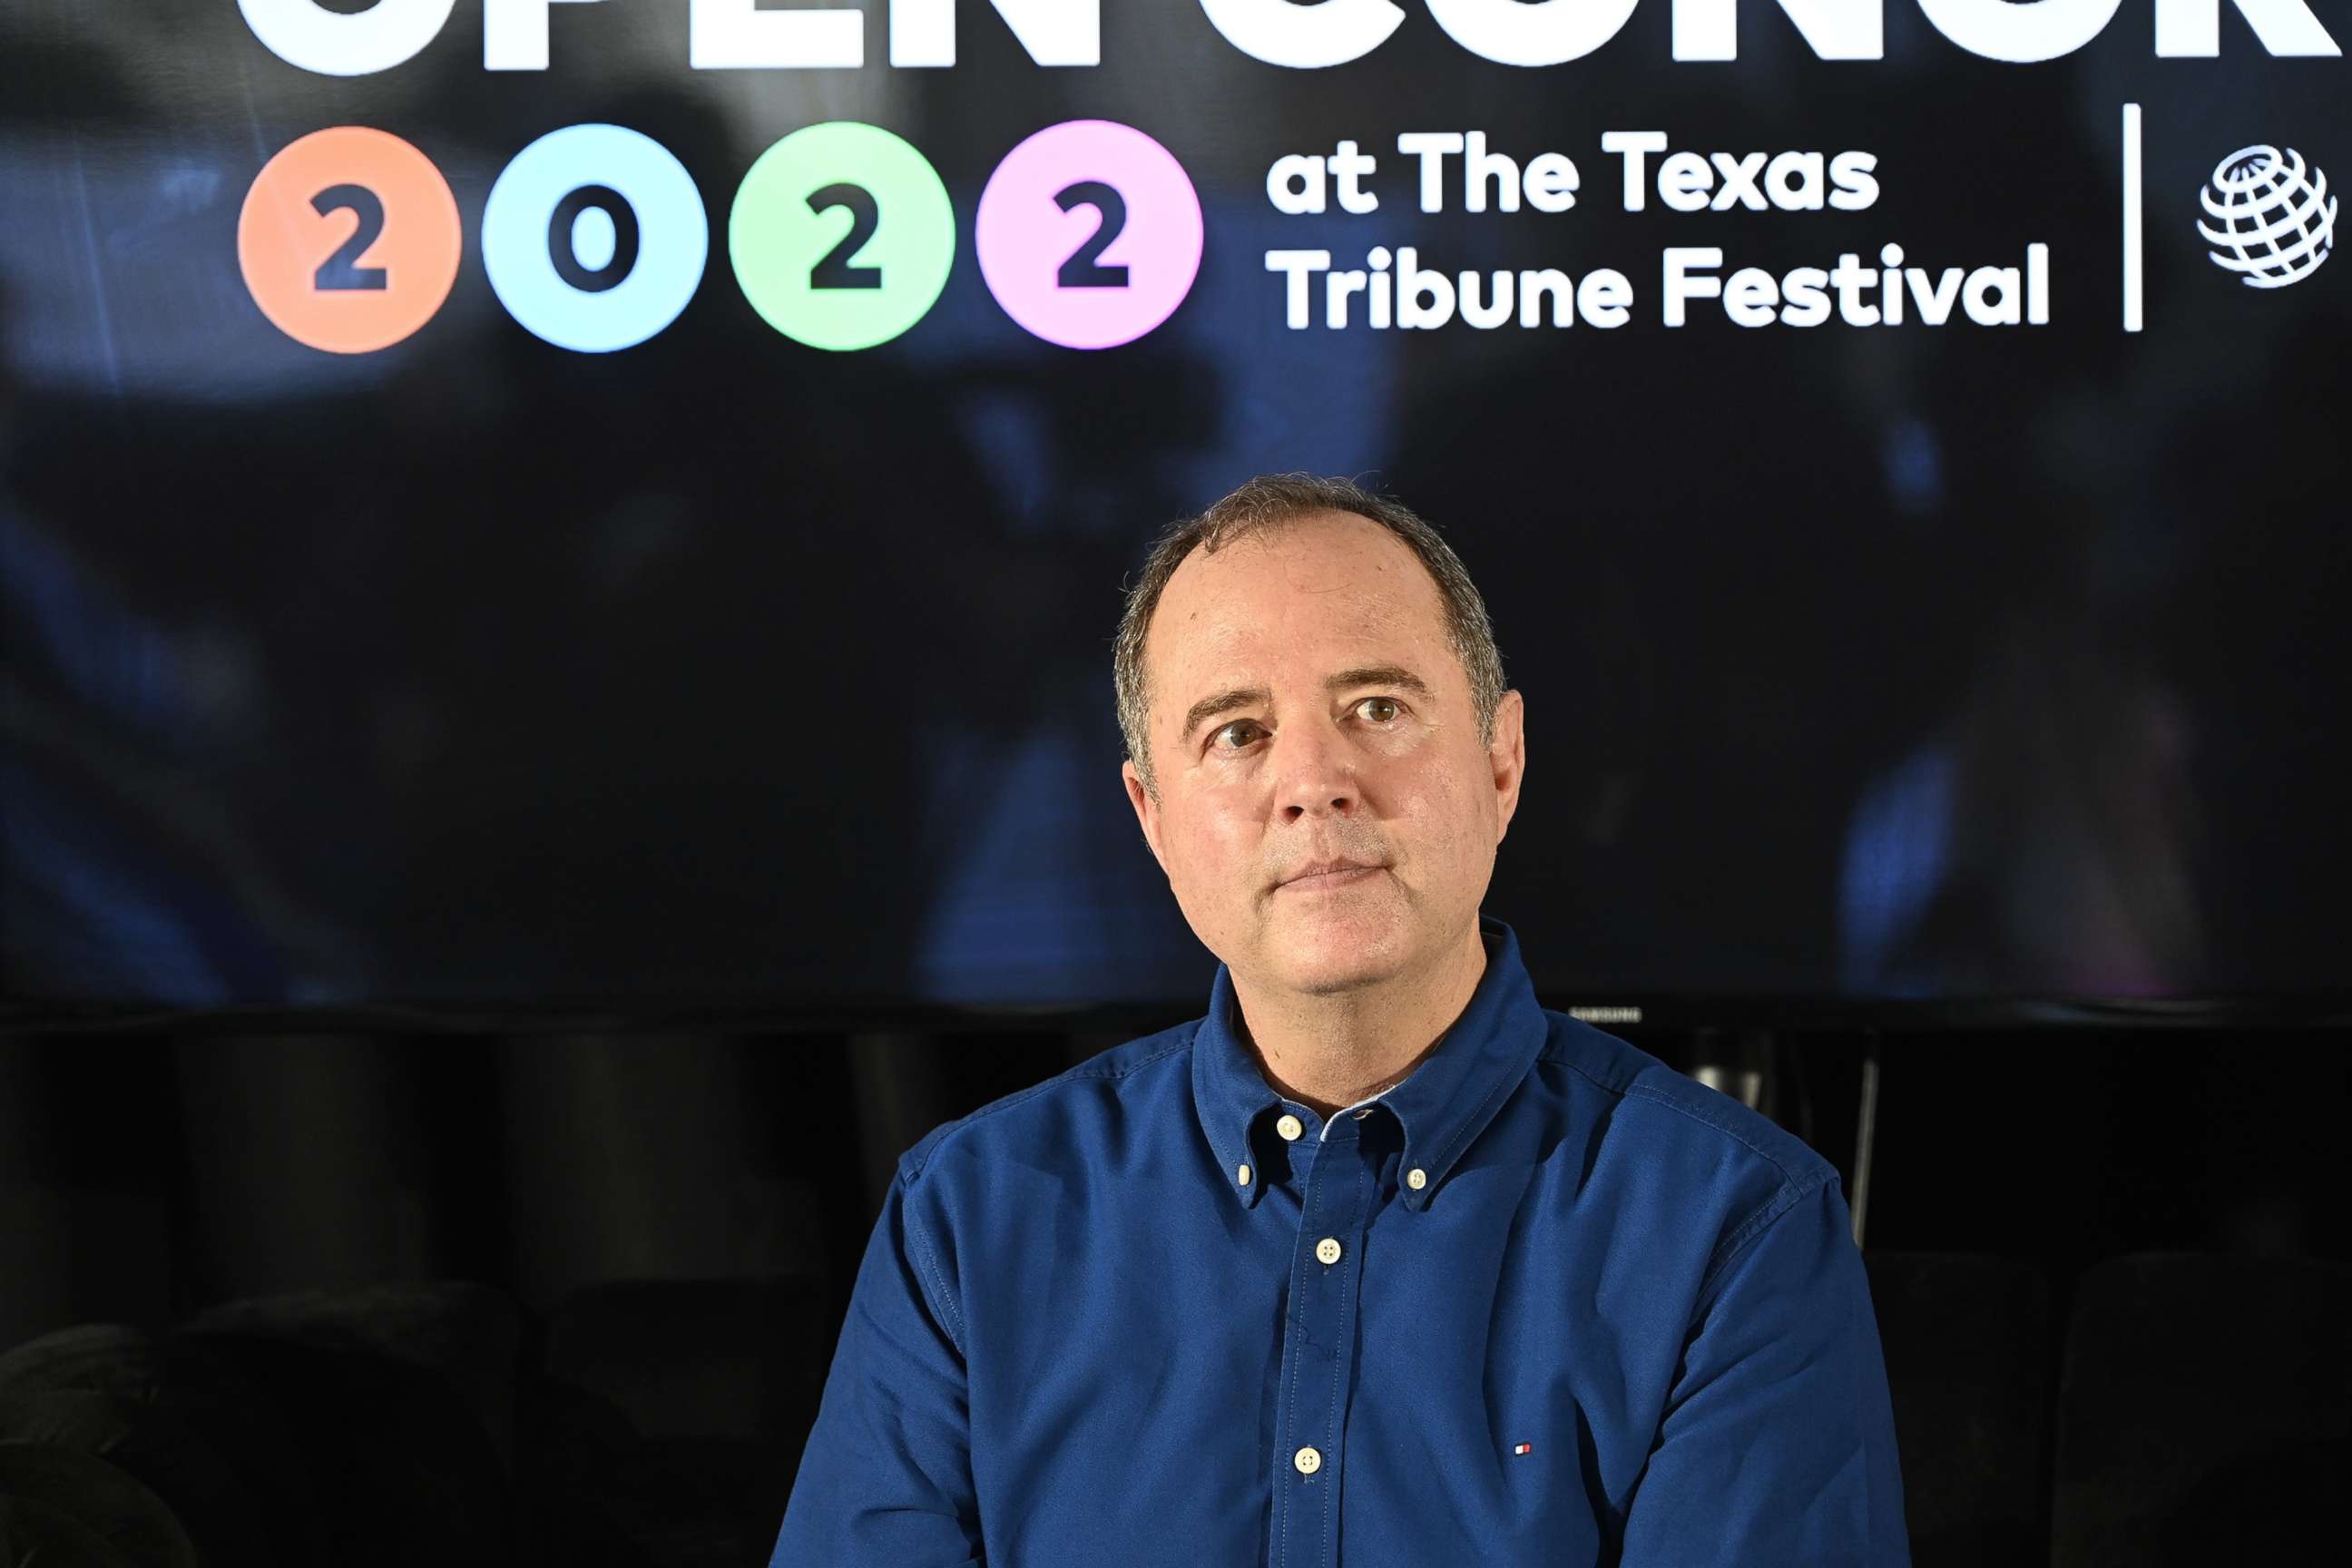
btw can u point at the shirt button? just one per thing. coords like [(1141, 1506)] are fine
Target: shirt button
[(1327, 1250), (1289, 1127), (1416, 1178), (1244, 1176), (1307, 1460)]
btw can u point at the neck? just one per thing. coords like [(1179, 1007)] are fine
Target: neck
[(1330, 1051)]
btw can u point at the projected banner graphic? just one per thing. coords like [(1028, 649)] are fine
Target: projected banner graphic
[(812, 209)]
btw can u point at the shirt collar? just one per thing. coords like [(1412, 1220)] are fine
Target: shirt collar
[(1444, 1104)]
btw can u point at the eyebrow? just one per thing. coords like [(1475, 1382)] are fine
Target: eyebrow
[(1209, 707)]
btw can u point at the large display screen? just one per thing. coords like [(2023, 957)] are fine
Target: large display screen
[(523, 504)]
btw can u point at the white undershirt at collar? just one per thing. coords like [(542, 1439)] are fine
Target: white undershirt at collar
[(1360, 1108)]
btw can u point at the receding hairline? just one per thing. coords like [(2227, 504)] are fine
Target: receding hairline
[(1268, 505), (1263, 531)]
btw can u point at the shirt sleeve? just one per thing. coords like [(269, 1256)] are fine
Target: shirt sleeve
[(1778, 1442), (886, 1480)]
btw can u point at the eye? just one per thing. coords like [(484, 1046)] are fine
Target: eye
[(1380, 710), (1239, 727)]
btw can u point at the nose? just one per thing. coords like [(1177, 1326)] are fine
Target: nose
[(1314, 773)]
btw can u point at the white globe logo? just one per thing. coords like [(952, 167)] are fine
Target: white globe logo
[(2276, 223)]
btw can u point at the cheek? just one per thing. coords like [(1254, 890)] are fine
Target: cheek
[(1451, 823), (1210, 848)]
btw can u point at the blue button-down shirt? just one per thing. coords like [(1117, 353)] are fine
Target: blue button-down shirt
[(1546, 1302)]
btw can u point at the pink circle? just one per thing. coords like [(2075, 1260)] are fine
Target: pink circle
[(1026, 239)]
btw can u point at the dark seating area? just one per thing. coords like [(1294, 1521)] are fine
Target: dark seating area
[(2205, 1412), (1968, 1352), (2199, 1417), (641, 1422), (360, 1303)]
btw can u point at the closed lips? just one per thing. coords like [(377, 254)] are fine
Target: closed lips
[(1330, 872)]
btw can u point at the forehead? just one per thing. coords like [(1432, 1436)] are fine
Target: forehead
[(1326, 578)]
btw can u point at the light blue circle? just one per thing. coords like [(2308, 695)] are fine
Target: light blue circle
[(673, 237)]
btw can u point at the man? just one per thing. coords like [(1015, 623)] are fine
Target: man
[(1380, 1262)]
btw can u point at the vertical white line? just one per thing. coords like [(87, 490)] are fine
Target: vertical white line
[(2131, 218)]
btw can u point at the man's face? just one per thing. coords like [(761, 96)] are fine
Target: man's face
[(1306, 708)]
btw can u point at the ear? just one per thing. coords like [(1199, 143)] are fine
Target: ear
[(1507, 758), (1147, 811)]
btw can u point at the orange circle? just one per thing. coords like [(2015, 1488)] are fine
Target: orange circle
[(286, 246)]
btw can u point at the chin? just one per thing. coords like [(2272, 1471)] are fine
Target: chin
[(1340, 951)]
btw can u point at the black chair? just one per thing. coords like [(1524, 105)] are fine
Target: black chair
[(1967, 1348), (358, 1428), (666, 1427), (62, 1506), (206, 1448), (395, 1398), (2203, 1414)]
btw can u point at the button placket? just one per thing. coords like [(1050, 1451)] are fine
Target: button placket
[(1318, 1358)]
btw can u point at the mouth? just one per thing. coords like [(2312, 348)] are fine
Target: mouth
[(1329, 875)]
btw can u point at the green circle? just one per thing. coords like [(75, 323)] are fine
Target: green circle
[(778, 240)]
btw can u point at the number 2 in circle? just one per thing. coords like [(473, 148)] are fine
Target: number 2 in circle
[(1083, 269), (341, 273), (832, 284), (835, 270), (350, 285), (1052, 266)]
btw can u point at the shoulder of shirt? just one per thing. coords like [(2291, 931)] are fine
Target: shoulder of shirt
[(1626, 1072), (1105, 1069)]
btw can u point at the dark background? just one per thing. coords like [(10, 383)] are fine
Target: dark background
[(1960, 663)]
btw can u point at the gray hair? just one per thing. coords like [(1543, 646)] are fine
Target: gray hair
[(1269, 503)]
